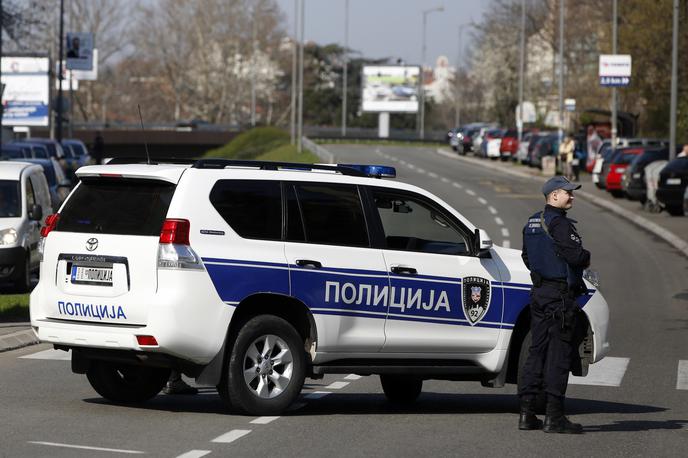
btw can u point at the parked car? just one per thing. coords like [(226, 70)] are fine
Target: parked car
[(673, 180), (54, 148), (535, 139), (685, 202), (11, 151), (491, 142), (76, 155), (547, 146), (605, 153), (478, 138), (509, 145), (58, 184), (456, 142), (24, 200), (652, 172), (633, 180), (35, 150), (615, 168)]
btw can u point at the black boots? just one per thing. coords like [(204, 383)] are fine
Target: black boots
[(528, 421), (555, 421)]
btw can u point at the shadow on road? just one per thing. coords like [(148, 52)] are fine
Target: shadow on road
[(635, 425)]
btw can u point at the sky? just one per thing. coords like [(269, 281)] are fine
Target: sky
[(390, 28)]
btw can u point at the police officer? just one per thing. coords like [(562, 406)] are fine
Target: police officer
[(554, 254)]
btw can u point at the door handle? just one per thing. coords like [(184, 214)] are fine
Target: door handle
[(308, 264), (404, 270)]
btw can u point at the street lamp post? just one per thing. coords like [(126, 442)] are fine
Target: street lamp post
[(459, 88), (614, 40), (345, 79), (422, 71), (674, 84), (294, 53), (519, 124), (299, 130), (561, 71), (59, 76)]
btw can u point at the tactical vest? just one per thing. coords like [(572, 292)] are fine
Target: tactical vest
[(542, 256)]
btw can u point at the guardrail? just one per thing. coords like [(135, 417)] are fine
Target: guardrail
[(318, 150)]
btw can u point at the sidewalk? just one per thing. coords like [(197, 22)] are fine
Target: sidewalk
[(16, 335), (672, 229)]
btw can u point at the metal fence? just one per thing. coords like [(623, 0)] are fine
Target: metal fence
[(320, 151)]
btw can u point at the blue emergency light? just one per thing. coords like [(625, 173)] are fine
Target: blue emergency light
[(375, 171)]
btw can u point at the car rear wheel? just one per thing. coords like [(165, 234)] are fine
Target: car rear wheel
[(674, 210), (617, 193), (403, 389), (540, 399), (266, 367), (126, 383)]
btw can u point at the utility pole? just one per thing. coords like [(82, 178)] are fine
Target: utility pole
[(294, 53), (614, 39), (345, 79), (561, 71), (299, 133), (459, 88), (422, 71), (254, 48), (71, 78), (674, 85), (59, 76), (519, 123)]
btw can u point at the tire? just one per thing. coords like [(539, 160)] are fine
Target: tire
[(257, 393), (674, 210), (541, 399), (616, 193), (402, 389), (23, 283), (123, 383)]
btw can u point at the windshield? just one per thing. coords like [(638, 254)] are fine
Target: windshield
[(40, 152), (77, 149), (12, 153), (10, 203)]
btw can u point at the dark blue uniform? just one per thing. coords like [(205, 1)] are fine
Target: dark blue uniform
[(554, 254)]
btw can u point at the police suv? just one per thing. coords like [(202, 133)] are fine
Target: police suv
[(251, 276)]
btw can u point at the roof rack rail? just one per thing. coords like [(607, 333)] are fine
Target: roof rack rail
[(271, 165), (154, 161)]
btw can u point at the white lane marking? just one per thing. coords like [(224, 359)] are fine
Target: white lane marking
[(263, 420), (682, 376), (433, 175), (195, 454), (317, 394), (470, 192), (411, 166), (506, 244), (336, 385), (55, 355), (87, 447), (457, 185), (445, 180), (492, 210), (402, 162), (608, 372), (231, 436), (505, 232), (482, 201), (393, 159), (419, 170), (499, 221), (352, 377)]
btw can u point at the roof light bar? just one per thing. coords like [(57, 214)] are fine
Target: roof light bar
[(375, 171)]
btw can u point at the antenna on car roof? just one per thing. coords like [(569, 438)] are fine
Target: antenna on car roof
[(145, 144)]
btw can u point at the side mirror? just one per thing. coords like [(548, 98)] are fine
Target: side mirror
[(483, 243), (35, 213)]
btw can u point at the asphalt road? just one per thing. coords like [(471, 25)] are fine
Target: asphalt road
[(630, 405)]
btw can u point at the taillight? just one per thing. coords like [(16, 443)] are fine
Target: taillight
[(146, 341), (175, 231), (50, 223), (174, 248)]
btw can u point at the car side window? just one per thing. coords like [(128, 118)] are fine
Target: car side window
[(30, 196), (253, 208), (412, 223), (40, 188), (332, 214)]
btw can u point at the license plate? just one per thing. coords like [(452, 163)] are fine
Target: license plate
[(92, 275), (673, 181)]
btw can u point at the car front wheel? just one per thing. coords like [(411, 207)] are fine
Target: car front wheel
[(126, 383), (266, 367)]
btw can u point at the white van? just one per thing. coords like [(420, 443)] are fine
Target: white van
[(24, 199)]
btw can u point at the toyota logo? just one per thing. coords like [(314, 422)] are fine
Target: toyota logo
[(91, 244)]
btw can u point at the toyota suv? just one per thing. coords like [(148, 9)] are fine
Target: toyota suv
[(250, 276)]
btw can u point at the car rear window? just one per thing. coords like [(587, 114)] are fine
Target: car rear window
[(680, 164), (117, 206)]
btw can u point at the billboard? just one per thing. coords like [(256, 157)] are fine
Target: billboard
[(26, 95), (79, 51), (390, 88), (615, 70)]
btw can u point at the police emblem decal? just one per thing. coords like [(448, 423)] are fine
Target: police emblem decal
[(91, 244), (476, 298)]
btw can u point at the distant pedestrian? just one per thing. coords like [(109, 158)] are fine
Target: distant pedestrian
[(566, 150), (684, 151), (578, 157), (98, 148)]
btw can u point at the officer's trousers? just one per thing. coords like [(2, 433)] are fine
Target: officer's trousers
[(548, 364)]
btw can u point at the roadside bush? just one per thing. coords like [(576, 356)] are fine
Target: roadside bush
[(251, 144)]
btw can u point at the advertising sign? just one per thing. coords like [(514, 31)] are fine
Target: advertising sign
[(25, 98), (570, 104), (615, 70), (79, 51), (529, 114), (390, 89)]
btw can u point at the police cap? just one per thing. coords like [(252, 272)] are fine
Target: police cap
[(558, 182)]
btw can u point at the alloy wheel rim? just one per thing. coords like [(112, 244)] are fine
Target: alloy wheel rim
[(268, 366)]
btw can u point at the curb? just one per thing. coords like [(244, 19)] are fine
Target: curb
[(18, 339), (679, 244)]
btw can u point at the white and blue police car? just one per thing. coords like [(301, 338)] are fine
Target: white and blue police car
[(251, 276)]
